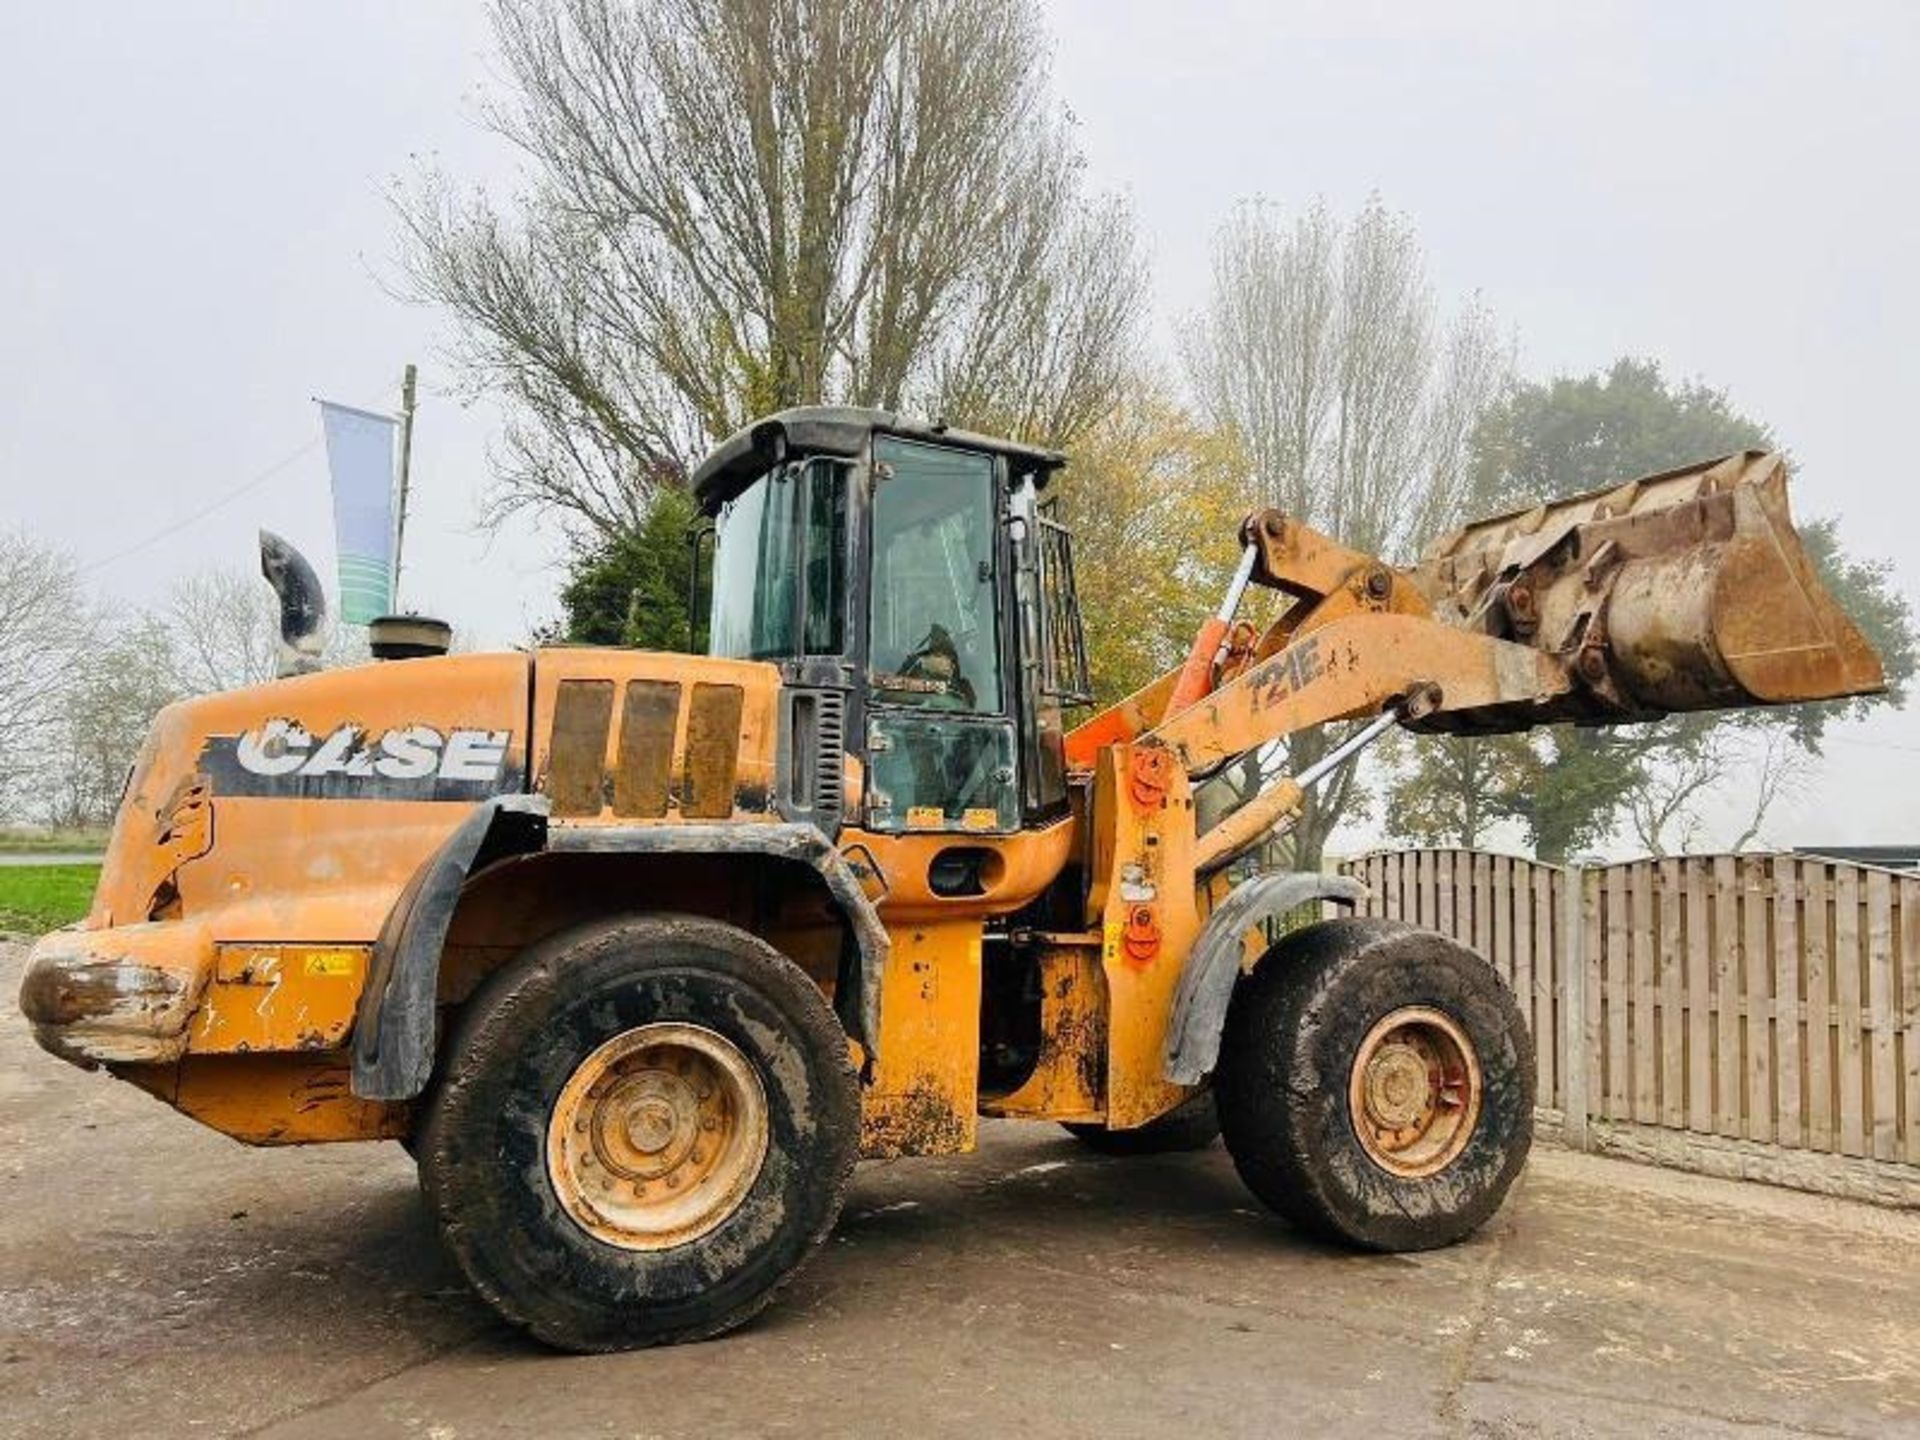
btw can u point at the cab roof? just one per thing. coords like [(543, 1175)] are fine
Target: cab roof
[(840, 431)]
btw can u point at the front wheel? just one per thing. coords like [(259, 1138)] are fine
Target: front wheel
[(642, 1129), (1376, 1084)]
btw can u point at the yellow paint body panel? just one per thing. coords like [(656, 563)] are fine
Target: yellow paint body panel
[(273, 1099), (1022, 866), (275, 997), (266, 906), (1069, 1079), (1142, 892), (324, 870), (924, 1093), (923, 1090), (605, 720), (202, 887)]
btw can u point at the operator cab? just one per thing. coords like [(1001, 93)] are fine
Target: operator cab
[(919, 605)]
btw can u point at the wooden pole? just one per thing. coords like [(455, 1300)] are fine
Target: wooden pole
[(406, 465)]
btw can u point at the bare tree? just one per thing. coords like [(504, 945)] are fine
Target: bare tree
[(1322, 350), (1760, 762), (223, 625), (81, 682), (1663, 811), (47, 626), (105, 710), (1779, 770), (737, 205)]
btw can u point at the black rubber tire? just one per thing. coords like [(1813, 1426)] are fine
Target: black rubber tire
[(483, 1146), (1293, 1030), (1193, 1124)]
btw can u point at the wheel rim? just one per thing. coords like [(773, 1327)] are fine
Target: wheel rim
[(657, 1136), (1414, 1092)]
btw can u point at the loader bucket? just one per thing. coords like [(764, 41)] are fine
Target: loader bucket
[(1684, 591)]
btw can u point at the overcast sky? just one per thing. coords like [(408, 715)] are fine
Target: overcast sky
[(196, 242)]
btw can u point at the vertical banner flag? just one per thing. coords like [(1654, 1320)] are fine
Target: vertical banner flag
[(360, 455)]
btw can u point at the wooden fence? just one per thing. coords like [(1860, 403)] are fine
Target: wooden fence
[(1767, 999)]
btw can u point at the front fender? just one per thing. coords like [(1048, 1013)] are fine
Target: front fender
[(1206, 983)]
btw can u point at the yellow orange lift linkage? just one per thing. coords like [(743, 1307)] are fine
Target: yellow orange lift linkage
[(1683, 591), (1686, 591), (1360, 642)]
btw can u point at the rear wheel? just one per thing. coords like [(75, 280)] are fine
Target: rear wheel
[(1376, 1084), (1193, 1124), (642, 1130)]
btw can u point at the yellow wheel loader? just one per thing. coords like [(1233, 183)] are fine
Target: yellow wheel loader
[(638, 953)]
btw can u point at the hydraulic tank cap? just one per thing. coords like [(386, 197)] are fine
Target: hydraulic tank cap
[(408, 637)]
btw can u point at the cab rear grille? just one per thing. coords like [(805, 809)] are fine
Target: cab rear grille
[(813, 778), (829, 790)]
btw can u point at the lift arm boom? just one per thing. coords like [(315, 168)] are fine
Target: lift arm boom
[(1683, 591)]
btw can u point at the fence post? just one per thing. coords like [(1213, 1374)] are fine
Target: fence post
[(1573, 1004)]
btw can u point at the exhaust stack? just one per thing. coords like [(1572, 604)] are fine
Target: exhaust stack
[(303, 606)]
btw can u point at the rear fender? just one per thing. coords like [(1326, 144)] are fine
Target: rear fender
[(1206, 983), (393, 1037), (393, 1027)]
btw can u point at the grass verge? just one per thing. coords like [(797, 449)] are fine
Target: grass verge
[(38, 898), (32, 840)]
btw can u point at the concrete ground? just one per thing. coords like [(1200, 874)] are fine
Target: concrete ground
[(157, 1280)]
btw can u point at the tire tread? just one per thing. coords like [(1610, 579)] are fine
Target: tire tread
[(462, 1174), (1284, 1116)]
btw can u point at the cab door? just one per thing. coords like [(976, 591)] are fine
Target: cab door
[(941, 753)]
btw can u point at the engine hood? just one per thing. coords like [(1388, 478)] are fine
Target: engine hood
[(398, 751)]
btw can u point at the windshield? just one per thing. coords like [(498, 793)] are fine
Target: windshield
[(934, 641)]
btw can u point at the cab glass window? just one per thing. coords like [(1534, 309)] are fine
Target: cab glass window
[(934, 642), (779, 566), (823, 597)]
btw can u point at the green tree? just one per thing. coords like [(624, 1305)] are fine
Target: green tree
[(631, 588), (1568, 435), (1571, 788), (1452, 790)]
